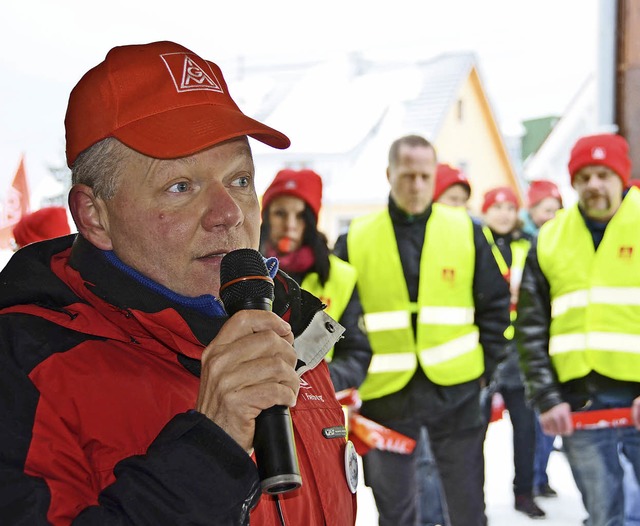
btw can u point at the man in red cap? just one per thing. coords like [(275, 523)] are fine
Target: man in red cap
[(435, 309), (129, 395), (578, 325)]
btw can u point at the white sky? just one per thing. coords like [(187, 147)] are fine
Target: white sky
[(533, 54)]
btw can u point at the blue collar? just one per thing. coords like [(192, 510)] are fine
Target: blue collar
[(206, 304)]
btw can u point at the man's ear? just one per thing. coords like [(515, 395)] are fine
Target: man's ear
[(90, 216)]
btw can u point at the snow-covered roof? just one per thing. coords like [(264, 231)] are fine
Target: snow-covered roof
[(346, 111)]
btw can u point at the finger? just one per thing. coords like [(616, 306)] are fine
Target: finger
[(246, 322), (257, 369), (248, 348), (635, 413)]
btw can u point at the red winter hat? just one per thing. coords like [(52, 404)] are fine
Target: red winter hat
[(305, 184), (607, 149), (541, 189), (502, 194), (159, 99), (447, 176), (42, 224)]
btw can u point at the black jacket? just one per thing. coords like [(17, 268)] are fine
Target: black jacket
[(509, 375), (422, 400), (98, 378)]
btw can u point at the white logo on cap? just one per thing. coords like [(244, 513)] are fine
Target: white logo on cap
[(191, 76), (598, 153), (290, 185)]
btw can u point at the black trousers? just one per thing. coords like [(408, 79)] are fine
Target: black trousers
[(460, 460), (523, 422)]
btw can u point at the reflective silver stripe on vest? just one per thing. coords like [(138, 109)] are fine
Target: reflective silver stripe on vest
[(606, 295), (452, 349), (598, 341), (389, 363), (571, 300), (616, 295), (447, 315), (387, 321)]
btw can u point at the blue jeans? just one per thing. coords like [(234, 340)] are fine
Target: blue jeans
[(631, 494), (544, 447), (593, 455)]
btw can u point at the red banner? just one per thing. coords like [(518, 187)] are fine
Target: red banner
[(16, 204), (602, 418), (367, 434)]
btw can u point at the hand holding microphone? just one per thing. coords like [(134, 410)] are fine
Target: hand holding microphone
[(248, 373)]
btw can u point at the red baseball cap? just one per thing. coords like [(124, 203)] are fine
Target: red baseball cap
[(447, 176), (159, 99), (304, 184), (607, 149), (502, 194)]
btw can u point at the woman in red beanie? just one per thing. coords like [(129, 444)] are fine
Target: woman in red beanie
[(452, 187), (543, 201), (510, 247), (289, 232)]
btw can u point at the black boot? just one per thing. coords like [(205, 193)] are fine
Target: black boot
[(527, 505)]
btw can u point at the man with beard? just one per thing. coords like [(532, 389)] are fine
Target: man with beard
[(578, 325)]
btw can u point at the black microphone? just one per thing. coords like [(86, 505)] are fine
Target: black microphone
[(245, 284)]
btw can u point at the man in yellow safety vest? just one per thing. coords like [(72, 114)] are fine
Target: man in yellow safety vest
[(578, 325), (435, 309)]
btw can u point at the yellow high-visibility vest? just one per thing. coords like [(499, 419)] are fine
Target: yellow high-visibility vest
[(337, 290), (595, 294), (447, 342)]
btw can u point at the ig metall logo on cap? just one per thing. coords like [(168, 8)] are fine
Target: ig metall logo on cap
[(188, 75)]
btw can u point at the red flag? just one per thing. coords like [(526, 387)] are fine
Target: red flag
[(16, 205)]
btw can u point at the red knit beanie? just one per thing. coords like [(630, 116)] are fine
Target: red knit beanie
[(447, 176), (42, 224), (541, 189), (304, 184), (606, 149), (502, 194)]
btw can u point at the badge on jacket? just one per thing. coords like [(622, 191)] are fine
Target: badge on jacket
[(351, 466)]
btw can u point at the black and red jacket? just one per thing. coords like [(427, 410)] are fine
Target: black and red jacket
[(98, 379)]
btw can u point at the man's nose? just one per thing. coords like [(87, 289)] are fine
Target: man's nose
[(222, 210), (594, 181)]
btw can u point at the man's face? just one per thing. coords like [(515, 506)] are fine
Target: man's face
[(174, 220), (599, 191), (411, 178)]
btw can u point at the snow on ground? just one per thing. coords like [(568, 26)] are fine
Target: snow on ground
[(565, 510)]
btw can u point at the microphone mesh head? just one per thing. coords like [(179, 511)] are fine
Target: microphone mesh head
[(243, 263)]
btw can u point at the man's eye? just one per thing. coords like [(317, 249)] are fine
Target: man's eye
[(179, 187), (243, 181)]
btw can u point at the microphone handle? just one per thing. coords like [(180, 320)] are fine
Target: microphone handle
[(275, 450), (273, 440)]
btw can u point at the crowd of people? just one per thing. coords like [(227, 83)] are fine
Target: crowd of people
[(134, 394)]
